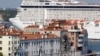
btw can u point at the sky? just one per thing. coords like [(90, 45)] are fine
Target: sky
[(16, 3)]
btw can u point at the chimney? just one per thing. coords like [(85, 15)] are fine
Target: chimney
[(42, 36), (6, 33), (10, 30), (46, 35)]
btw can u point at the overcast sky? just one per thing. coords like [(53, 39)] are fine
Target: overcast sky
[(16, 3)]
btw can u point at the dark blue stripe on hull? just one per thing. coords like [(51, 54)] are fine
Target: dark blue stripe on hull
[(60, 6)]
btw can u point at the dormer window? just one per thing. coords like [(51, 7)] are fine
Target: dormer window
[(45, 32), (50, 32), (25, 37)]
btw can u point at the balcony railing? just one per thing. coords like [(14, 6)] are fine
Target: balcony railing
[(80, 45), (74, 30), (79, 40), (81, 35)]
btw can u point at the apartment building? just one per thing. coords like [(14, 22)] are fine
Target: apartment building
[(9, 41), (74, 34), (38, 44)]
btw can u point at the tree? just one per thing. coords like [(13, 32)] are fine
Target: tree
[(1, 54), (8, 13)]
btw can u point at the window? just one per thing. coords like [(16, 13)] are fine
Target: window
[(15, 48), (50, 32), (56, 51), (9, 43), (18, 42), (80, 42), (9, 54), (0, 42), (79, 48), (56, 41), (97, 25), (12, 42), (51, 42), (0, 48), (46, 3), (15, 42), (73, 38), (9, 48), (25, 9), (9, 37), (26, 44), (72, 33), (0, 36), (32, 43), (26, 53)]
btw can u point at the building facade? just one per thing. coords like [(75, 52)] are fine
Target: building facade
[(39, 45), (9, 41)]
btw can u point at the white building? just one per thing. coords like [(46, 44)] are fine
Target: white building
[(9, 41), (38, 44)]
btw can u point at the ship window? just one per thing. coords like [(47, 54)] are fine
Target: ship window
[(46, 3), (96, 25), (41, 0), (25, 9)]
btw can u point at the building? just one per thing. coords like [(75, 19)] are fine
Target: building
[(70, 36), (9, 41), (74, 40), (38, 44), (1, 17)]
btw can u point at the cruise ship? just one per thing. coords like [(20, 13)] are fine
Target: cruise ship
[(38, 11)]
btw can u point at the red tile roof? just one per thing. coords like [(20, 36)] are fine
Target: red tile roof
[(32, 26), (37, 36), (4, 31), (97, 21)]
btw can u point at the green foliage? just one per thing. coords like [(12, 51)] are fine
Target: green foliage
[(1, 54), (8, 13)]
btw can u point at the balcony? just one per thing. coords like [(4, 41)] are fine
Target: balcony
[(74, 30), (80, 40), (81, 35), (72, 48), (80, 45)]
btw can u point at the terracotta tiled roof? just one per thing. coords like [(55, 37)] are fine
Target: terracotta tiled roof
[(62, 24), (97, 21), (32, 26), (37, 36), (4, 31)]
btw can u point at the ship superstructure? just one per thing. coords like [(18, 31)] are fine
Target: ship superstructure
[(38, 11)]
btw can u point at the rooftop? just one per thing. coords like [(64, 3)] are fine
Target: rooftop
[(35, 36)]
